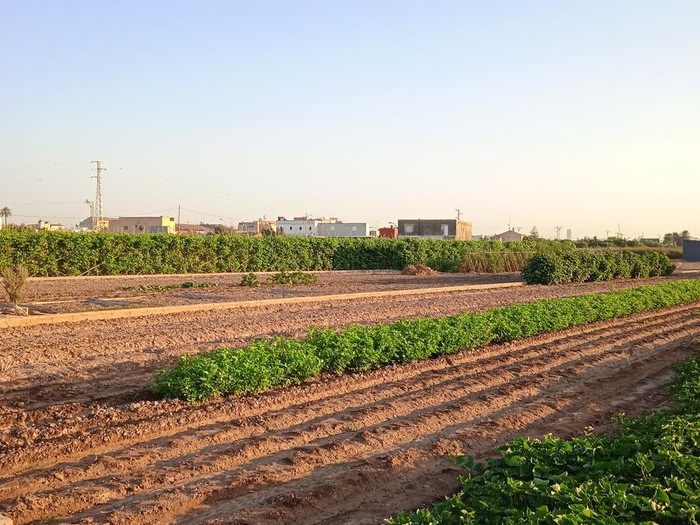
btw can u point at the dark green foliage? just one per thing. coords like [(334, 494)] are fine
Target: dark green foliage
[(359, 348), (65, 253), (495, 261), (649, 472), (588, 266), (291, 278)]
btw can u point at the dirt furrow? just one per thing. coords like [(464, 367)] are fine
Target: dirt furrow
[(140, 422), (221, 459), (403, 478)]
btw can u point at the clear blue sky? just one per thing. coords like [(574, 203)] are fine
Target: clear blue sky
[(548, 113)]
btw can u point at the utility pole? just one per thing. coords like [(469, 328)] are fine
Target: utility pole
[(177, 226), (459, 213), (98, 192), (558, 232), (92, 213)]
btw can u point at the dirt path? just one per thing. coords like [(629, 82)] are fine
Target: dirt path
[(353, 449), (71, 294)]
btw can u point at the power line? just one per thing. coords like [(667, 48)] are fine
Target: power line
[(209, 214)]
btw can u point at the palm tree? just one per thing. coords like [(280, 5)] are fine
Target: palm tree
[(5, 213)]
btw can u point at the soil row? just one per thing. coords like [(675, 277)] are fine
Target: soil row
[(352, 449)]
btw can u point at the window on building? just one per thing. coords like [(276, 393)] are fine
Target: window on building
[(300, 228), (332, 228), (126, 228), (140, 228), (309, 228), (290, 228), (354, 228), (408, 228)]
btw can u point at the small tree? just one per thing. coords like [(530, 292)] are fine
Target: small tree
[(14, 281), (5, 213), (534, 234)]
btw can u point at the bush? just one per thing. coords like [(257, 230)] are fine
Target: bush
[(250, 279), (589, 266), (68, 253), (14, 281), (266, 364)]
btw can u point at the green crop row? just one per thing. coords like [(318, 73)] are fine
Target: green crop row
[(277, 362), (648, 472), (62, 253), (587, 266)]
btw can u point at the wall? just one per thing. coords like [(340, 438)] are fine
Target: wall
[(343, 229), (142, 225), (691, 251), (435, 228), (298, 228)]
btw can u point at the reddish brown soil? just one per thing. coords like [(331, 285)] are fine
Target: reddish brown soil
[(66, 294), (70, 294), (82, 440)]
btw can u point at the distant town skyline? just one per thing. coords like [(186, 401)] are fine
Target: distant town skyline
[(583, 116)]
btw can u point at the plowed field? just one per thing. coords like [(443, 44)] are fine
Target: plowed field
[(82, 440)]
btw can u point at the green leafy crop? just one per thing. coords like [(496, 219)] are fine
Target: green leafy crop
[(270, 363), (588, 266), (67, 253)]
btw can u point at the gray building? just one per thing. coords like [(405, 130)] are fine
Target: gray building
[(691, 251), (342, 229), (435, 228)]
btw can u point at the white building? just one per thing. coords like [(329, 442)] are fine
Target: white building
[(319, 227)]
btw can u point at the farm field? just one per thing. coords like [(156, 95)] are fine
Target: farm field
[(82, 294), (82, 439), (76, 294)]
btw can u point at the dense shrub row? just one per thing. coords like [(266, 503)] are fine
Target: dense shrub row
[(649, 472), (270, 363), (587, 266), (59, 253)]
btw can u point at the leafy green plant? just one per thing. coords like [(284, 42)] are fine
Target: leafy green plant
[(68, 253), (292, 278), (359, 348), (496, 261), (589, 266), (250, 279)]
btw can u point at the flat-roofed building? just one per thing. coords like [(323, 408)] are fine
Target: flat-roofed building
[(435, 229), (142, 225)]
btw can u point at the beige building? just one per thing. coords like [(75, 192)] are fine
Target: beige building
[(91, 222), (256, 227), (142, 225), (508, 236), (48, 226)]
